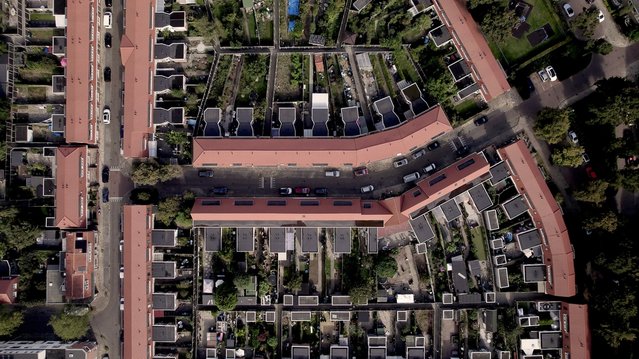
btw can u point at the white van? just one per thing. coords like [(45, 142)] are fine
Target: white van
[(411, 177), (332, 173), (108, 20)]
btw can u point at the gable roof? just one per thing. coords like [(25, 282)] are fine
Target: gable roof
[(71, 187)]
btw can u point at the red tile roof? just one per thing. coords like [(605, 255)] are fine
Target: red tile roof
[(79, 266), (137, 276), (71, 187), (576, 341), (473, 47), (389, 212), (547, 216), (306, 152), (136, 51), (7, 290), (81, 72)]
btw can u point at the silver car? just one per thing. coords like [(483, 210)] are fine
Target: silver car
[(367, 189), (400, 163)]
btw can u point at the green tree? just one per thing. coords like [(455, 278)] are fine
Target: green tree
[(476, 3), (16, 233), (570, 156), (263, 288), (594, 192), (70, 327), (10, 322), (600, 46), (617, 102), (440, 87), (361, 293), (385, 265), (168, 209), (242, 281), (586, 22), (225, 297), (272, 342), (183, 219), (608, 221), (498, 24), (149, 173), (176, 138), (294, 283), (628, 179), (552, 124)]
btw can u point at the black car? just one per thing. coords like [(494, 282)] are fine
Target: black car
[(107, 40), (105, 195), (481, 120), (321, 191), (462, 151), (219, 190), (531, 86), (433, 146), (105, 174), (203, 173), (108, 3), (107, 74)]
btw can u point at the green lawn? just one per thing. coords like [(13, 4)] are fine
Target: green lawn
[(513, 49), (479, 245)]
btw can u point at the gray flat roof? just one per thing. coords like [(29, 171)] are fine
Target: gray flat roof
[(342, 240), (499, 172), (350, 114), (550, 340), (301, 316), (360, 4), (480, 355), (423, 230), (480, 197), (341, 300), (164, 301), (372, 243), (287, 114), (502, 277), (165, 333), (163, 83), (534, 272), (460, 275), (377, 353), (310, 240), (529, 239), (386, 109), (307, 300), (339, 353), (459, 69), (515, 207), (415, 353), (54, 285), (212, 239), (319, 115), (211, 122), (245, 240), (164, 237), (340, 316), (492, 221), (172, 51), (440, 35), (451, 210), (298, 352), (163, 269), (490, 319), (173, 115), (277, 240)]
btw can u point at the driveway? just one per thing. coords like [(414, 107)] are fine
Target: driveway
[(606, 29)]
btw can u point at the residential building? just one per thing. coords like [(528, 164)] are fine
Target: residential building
[(9, 289), (79, 266), (48, 349), (71, 187)]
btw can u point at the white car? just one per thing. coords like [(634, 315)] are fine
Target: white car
[(551, 73), (430, 168), (106, 116), (573, 137), (569, 11), (600, 16), (108, 20), (400, 163), (121, 245), (332, 173), (367, 189), (121, 272)]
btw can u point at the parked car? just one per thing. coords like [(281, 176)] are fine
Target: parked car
[(121, 303), (411, 177), (543, 75), (600, 15), (286, 191), (462, 151), (481, 120), (205, 173), (121, 245), (321, 191), (108, 20), (430, 169), (591, 173), (433, 146), (107, 74), (400, 163), (367, 189), (302, 190), (121, 271), (332, 173), (585, 157), (531, 86), (108, 3), (590, 2), (361, 171), (105, 174), (419, 153), (106, 116), (105, 195), (219, 190), (107, 40), (569, 11), (572, 136), (551, 73)]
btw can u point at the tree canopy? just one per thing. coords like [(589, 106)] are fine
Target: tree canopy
[(70, 327), (570, 156), (225, 297), (608, 221), (176, 209), (16, 233), (150, 172), (552, 124), (10, 322), (586, 22), (385, 265), (361, 293), (616, 102), (294, 283), (594, 192), (242, 281), (498, 24)]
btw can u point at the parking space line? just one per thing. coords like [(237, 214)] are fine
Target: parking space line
[(261, 184), (272, 182)]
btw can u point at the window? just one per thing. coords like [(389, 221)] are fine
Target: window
[(244, 203), (276, 203), (309, 203), (342, 203)]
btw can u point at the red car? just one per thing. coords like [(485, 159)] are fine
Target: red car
[(591, 173), (361, 171), (302, 190)]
